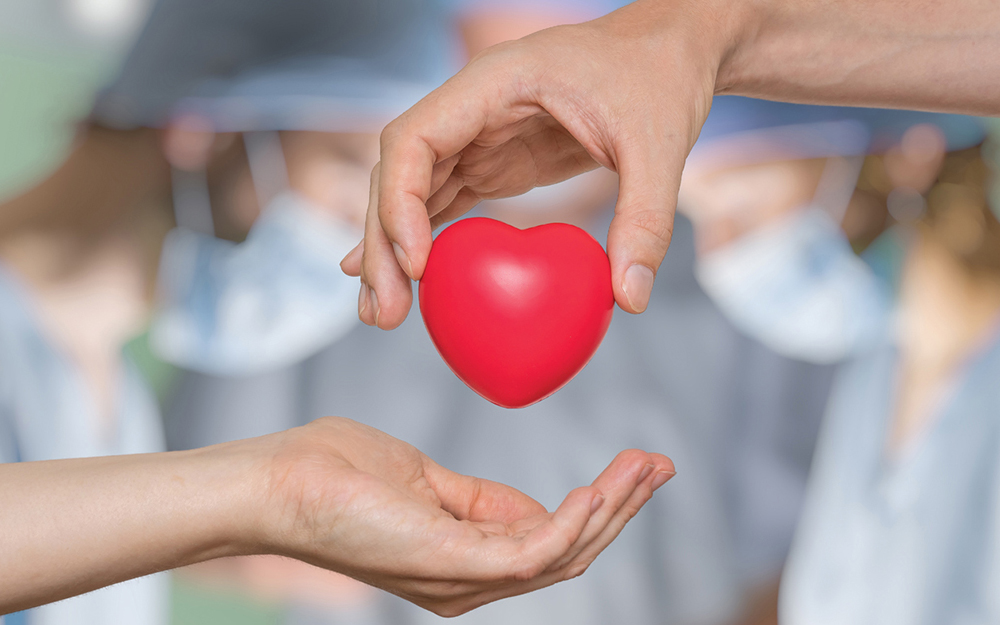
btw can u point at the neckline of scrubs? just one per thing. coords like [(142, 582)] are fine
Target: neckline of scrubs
[(26, 314), (963, 375)]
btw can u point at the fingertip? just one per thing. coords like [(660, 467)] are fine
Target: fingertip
[(637, 242), (637, 287), (403, 259), (578, 506), (411, 262), (663, 463), (373, 302), (365, 309), (662, 478), (411, 241), (362, 301), (351, 265), (633, 460)]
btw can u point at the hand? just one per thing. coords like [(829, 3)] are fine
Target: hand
[(336, 494), (360, 502), (629, 92)]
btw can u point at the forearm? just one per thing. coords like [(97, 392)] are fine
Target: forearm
[(71, 526), (893, 53)]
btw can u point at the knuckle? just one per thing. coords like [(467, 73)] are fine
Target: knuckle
[(451, 608), (633, 458), (576, 569), (633, 455), (391, 132), (655, 223), (528, 571), (331, 421)]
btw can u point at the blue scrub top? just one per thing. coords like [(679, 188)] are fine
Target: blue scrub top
[(906, 540), (914, 540)]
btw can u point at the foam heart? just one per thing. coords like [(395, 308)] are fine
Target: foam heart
[(516, 313)]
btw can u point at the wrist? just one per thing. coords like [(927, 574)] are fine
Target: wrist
[(742, 26), (716, 34), (229, 500)]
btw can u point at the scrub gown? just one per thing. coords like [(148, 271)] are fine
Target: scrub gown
[(907, 539)]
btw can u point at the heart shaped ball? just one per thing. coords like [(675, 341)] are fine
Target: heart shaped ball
[(516, 313)]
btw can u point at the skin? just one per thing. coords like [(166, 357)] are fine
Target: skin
[(530, 113), (335, 494)]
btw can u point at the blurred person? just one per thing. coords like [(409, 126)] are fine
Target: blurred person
[(887, 536), (73, 239)]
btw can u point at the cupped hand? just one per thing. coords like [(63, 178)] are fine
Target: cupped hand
[(629, 92), (357, 501)]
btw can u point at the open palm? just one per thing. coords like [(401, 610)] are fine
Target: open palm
[(362, 503)]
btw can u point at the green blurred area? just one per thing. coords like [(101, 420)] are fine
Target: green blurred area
[(43, 94), (192, 604), (160, 375), (991, 152)]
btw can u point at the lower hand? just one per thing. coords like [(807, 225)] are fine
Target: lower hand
[(335, 493), (355, 500)]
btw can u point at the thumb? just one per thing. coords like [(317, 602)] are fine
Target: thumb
[(649, 176), (474, 499)]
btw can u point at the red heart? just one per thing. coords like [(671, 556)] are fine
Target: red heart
[(516, 313)]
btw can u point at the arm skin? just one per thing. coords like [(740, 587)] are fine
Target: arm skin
[(630, 92), (335, 493)]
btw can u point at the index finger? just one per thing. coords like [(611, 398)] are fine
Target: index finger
[(436, 128)]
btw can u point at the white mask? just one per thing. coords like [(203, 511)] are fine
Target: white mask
[(796, 285), (271, 301)]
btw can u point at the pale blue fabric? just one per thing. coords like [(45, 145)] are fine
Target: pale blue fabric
[(46, 413), (18, 618), (913, 540)]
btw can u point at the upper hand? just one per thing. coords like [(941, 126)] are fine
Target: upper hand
[(357, 501), (629, 92)]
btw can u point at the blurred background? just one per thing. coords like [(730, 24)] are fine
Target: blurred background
[(179, 180)]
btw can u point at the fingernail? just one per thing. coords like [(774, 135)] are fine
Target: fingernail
[(595, 505), (402, 258), (646, 470), (661, 478), (638, 284), (374, 305), (362, 299)]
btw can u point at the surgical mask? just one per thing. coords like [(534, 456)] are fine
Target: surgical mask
[(798, 287), (271, 301)]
